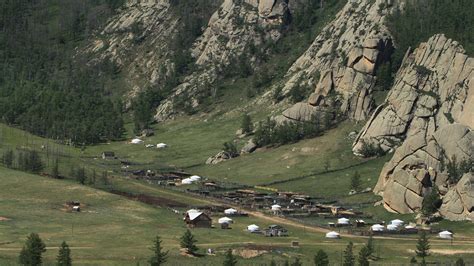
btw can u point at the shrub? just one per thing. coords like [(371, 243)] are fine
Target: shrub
[(370, 149)]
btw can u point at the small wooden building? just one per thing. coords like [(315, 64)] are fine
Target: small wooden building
[(275, 230), (198, 219)]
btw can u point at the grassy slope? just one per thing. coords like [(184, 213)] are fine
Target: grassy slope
[(114, 231)]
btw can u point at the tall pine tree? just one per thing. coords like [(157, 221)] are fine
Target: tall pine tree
[(159, 256), (32, 251), (64, 255), (189, 242)]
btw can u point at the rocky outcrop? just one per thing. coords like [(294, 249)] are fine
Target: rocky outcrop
[(432, 89), (458, 204), (342, 61), (136, 41), (220, 157), (419, 164), (428, 118), (231, 31)]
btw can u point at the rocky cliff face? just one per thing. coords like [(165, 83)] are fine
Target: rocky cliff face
[(232, 30), (136, 40), (429, 116), (342, 61)]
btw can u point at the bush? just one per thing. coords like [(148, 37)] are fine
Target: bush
[(231, 149), (371, 150)]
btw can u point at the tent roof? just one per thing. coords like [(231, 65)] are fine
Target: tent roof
[(445, 233)]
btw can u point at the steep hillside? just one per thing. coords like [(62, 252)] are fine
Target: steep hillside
[(341, 64), (428, 114)]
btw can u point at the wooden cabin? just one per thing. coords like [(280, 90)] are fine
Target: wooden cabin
[(198, 219)]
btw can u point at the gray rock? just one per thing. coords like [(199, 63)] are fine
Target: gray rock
[(458, 203), (249, 147)]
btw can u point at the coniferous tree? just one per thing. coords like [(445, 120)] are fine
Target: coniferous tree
[(32, 251), (321, 258), (159, 256), (8, 159), (431, 202), (64, 255), (273, 263), (188, 242), (355, 181), (55, 170), (81, 175), (35, 164), (349, 259), (460, 262), (247, 126), (423, 247), (370, 246), (230, 259), (364, 254)]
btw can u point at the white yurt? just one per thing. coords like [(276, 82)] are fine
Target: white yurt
[(410, 227), (195, 178), (230, 211), (225, 220), (136, 141), (392, 227), (343, 221), (445, 235), (333, 235), (161, 145), (186, 181), (253, 228), (276, 207), (377, 228), (397, 222)]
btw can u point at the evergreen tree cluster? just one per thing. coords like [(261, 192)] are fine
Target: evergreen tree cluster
[(24, 160), (269, 132), (45, 87)]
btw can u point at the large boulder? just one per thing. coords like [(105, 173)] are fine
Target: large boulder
[(419, 164), (458, 203)]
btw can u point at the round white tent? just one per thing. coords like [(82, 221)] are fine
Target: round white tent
[(186, 181), (333, 235), (445, 235), (230, 211), (253, 228), (195, 178), (397, 222), (224, 220), (410, 227), (377, 228), (136, 141), (343, 221), (161, 145), (392, 227), (276, 207)]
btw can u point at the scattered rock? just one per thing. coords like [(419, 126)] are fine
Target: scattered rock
[(220, 157), (249, 147)]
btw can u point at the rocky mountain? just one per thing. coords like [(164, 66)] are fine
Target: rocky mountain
[(342, 62), (428, 119), (237, 27), (136, 39)]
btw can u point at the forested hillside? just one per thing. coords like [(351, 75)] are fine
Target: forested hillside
[(51, 87), (45, 87)]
